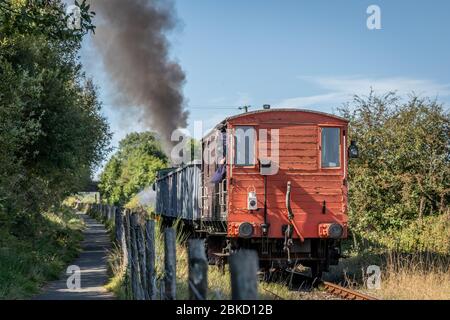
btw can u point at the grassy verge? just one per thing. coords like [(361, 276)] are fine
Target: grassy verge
[(29, 259), (404, 276), (414, 262), (117, 282)]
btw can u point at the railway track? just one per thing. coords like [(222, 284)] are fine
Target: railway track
[(331, 288), (343, 292)]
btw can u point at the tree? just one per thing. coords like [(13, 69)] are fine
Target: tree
[(52, 133), (403, 172), (132, 168)]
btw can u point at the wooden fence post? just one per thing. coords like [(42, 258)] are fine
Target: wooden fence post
[(150, 253), (170, 260), (117, 226), (142, 260), (244, 279), (198, 270), (135, 273), (162, 289), (131, 272), (125, 240)]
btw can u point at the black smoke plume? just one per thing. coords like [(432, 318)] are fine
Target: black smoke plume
[(131, 37)]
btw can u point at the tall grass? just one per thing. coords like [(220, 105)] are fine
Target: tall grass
[(416, 276), (28, 260), (118, 283), (414, 261)]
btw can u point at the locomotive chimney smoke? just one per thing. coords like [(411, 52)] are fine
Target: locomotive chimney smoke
[(131, 38)]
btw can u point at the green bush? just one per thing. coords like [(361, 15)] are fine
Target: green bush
[(430, 234), (403, 173), (52, 132)]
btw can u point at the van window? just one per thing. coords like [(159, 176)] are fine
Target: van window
[(331, 143), (244, 146)]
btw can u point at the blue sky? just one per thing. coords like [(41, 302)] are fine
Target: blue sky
[(292, 53)]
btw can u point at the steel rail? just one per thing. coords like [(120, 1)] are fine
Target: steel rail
[(334, 289), (343, 292)]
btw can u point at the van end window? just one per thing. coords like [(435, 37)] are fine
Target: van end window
[(244, 146), (331, 143)]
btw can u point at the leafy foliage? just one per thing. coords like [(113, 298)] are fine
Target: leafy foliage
[(132, 168), (44, 17), (403, 173), (52, 133)]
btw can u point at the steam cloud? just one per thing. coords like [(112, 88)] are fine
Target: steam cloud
[(131, 38)]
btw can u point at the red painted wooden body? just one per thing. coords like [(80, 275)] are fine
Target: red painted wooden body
[(318, 195)]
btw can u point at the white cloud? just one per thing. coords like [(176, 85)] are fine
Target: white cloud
[(341, 89)]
